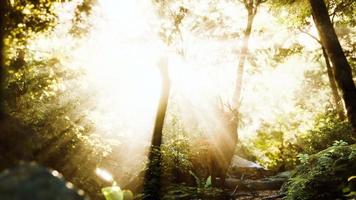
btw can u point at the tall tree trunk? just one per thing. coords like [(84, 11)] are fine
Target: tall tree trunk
[(152, 184), (339, 107), (342, 69), (338, 102), (243, 54), (2, 69)]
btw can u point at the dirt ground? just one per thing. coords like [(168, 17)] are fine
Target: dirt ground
[(258, 195)]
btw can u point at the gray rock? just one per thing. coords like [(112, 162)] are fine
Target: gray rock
[(31, 181), (244, 169), (237, 161)]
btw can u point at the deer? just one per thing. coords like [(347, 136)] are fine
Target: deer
[(223, 142), (215, 153)]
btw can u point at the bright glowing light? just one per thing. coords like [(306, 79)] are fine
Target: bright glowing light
[(104, 174)]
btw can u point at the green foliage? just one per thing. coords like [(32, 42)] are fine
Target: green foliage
[(176, 154), (328, 130), (273, 150), (172, 14), (81, 21), (244, 151), (289, 12), (112, 193), (303, 158), (115, 193), (340, 11), (324, 174), (37, 93), (176, 151), (202, 183), (28, 17)]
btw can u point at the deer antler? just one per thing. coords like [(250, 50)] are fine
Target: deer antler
[(227, 109)]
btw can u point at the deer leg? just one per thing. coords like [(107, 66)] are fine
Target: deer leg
[(213, 174), (222, 179)]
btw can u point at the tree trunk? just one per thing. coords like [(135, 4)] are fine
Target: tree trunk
[(243, 55), (338, 102), (2, 36), (152, 184), (342, 69)]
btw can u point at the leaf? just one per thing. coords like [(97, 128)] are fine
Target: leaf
[(351, 178), (112, 193), (351, 194), (208, 182), (345, 190)]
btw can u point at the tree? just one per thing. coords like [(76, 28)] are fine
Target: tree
[(251, 7), (332, 82), (2, 34), (21, 20), (333, 86), (342, 69), (152, 184)]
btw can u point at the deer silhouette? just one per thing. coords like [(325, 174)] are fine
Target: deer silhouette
[(222, 144), (213, 153)]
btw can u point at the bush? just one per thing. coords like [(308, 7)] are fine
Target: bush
[(327, 129), (273, 150), (323, 175)]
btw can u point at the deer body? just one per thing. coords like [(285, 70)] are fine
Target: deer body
[(214, 154), (222, 147)]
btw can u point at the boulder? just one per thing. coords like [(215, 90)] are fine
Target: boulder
[(241, 168), (31, 181)]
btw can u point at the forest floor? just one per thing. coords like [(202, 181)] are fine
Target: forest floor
[(251, 181), (258, 195)]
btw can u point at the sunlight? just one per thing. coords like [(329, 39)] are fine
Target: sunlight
[(102, 173), (122, 68), (120, 56), (120, 75)]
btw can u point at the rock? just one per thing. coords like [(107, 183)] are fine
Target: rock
[(285, 174), (31, 181), (241, 168), (252, 185), (237, 161), (323, 175)]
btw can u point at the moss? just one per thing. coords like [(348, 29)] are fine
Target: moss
[(324, 174)]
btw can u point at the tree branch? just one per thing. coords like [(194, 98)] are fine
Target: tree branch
[(312, 36)]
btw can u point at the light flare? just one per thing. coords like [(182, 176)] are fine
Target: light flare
[(105, 175)]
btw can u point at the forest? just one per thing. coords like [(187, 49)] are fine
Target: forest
[(177, 99)]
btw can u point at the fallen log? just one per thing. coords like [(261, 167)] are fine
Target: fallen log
[(250, 185)]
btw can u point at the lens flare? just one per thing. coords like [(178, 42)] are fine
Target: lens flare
[(105, 175)]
